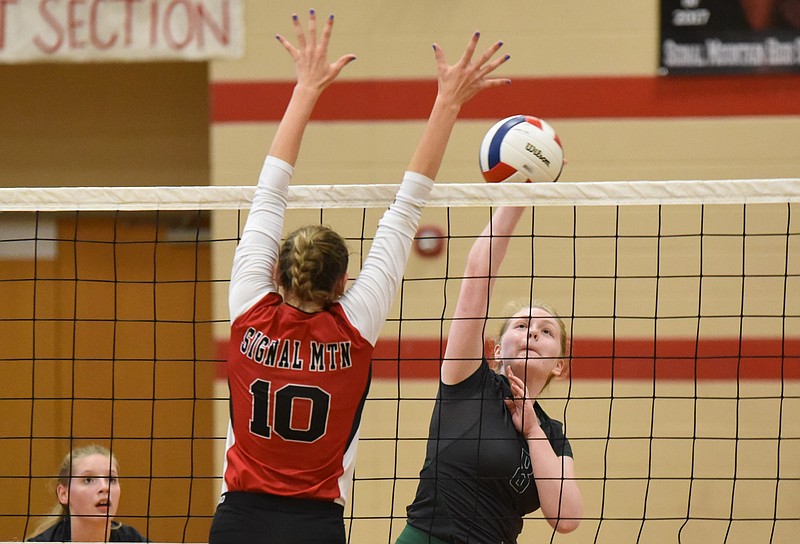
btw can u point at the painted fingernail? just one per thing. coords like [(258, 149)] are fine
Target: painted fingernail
[(499, 44), (477, 34), (330, 17), (311, 12), (508, 57), (294, 17)]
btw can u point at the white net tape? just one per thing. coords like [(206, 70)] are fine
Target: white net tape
[(608, 193)]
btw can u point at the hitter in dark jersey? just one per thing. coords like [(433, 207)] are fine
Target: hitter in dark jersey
[(299, 362), (493, 454), (477, 480)]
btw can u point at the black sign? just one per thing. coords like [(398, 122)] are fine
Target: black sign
[(730, 36)]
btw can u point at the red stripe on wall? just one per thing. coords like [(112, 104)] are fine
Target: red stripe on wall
[(622, 359), (563, 97), (604, 359)]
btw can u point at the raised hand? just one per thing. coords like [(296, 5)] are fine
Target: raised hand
[(457, 84), (312, 67), (463, 80), (314, 73)]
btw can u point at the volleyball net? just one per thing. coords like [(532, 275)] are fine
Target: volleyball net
[(682, 299)]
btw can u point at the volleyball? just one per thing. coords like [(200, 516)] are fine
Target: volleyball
[(521, 148)]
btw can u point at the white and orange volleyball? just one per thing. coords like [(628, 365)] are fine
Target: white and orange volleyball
[(521, 148)]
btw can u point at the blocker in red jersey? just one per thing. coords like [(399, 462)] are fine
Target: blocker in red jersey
[(521, 148)]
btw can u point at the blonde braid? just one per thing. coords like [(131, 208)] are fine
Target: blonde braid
[(312, 261)]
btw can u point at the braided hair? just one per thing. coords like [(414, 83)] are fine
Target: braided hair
[(312, 261)]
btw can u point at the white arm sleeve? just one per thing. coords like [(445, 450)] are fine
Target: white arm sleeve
[(257, 253), (368, 301)]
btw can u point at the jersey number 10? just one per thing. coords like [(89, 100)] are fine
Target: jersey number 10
[(282, 407)]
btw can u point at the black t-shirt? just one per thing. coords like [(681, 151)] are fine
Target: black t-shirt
[(61, 532), (477, 481)]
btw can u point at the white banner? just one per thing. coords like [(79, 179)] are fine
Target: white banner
[(113, 30)]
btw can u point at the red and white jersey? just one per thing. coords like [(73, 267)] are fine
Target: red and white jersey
[(298, 380)]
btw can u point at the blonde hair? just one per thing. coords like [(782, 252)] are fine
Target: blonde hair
[(312, 260), (514, 307), (65, 471)]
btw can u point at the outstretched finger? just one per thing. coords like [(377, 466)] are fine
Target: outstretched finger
[(298, 32), (495, 82), (327, 31), (312, 27), (288, 46), (487, 55), (466, 58)]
